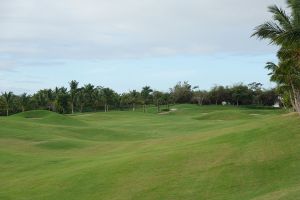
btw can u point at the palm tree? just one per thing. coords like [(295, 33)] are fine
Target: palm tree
[(89, 90), (98, 98), (284, 31), (50, 99), (109, 97), (73, 92), (24, 100), (8, 96), (134, 98), (61, 99), (287, 76), (157, 98), (146, 95), (80, 98)]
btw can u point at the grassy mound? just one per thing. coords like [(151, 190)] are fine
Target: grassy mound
[(226, 115), (227, 153), (36, 114), (48, 117)]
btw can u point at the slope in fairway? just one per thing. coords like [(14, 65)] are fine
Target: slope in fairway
[(194, 153)]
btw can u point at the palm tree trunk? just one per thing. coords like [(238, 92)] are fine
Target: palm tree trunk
[(72, 108), (292, 101), (296, 100)]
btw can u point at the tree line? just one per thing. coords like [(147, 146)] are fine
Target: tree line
[(96, 98), (284, 31)]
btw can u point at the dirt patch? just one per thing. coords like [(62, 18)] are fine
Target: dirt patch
[(164, 113), (168, 112)]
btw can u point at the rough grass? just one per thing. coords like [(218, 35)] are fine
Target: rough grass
[(196, 152)]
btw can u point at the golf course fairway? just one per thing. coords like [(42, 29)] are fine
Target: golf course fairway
[(194, 152)]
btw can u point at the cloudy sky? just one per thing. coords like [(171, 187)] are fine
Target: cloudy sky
[(126, 44)]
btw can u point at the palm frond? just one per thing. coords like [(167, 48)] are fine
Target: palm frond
[(294, 5), (288, 38), (281, 16), (271, 66), (268, 30)]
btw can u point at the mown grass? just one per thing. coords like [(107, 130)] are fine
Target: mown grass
[(208, 152)]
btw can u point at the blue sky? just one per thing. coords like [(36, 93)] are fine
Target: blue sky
[(128, 44)]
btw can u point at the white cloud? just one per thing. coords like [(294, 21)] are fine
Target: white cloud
[(100, 29)]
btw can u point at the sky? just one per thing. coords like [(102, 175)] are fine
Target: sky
[(127, 44)]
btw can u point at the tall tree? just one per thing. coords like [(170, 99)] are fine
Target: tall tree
[(73, 92), (158, 99), (288, 77), (284, 31), (199, 95), (8, 98), (89, 90), (182, 92), (146, 95), (62, 99), (24, 101), (109, 97), (80, 99), (98, 98), (166, 98), (241, 94), (134, 98), (256, 89)]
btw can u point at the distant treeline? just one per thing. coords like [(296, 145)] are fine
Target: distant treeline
[(96, 98)]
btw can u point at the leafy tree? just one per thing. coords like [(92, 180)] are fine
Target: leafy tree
[(109, 96), (8, 98), (62, 99), (218, 94), (73, 92), (125, 100), (182, 92), (241, 94), (158, 99), (146, 95), (287, 77), (256, 89), (80, 98), (166, 99), (284, 31), (269, 97), (199, 96), (89, 94), (41, 99), (134, 97), (24, 101), (98, 98)]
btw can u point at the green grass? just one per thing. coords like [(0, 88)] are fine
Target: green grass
[(209, 152)]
